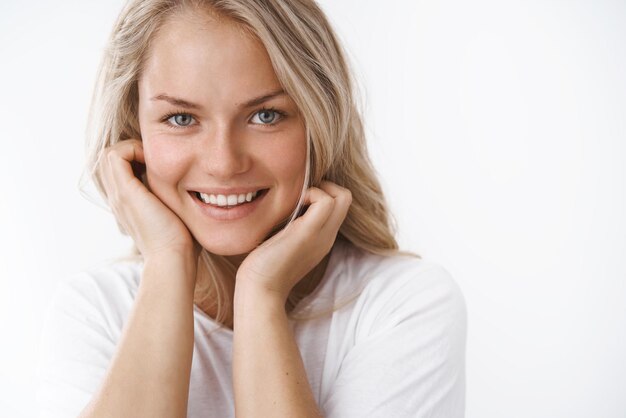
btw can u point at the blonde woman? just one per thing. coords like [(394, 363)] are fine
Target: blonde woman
[(267, 282)]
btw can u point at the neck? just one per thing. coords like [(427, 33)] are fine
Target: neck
[(204, 286)]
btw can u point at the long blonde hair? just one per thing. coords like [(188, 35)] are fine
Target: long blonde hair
[(311, 66)]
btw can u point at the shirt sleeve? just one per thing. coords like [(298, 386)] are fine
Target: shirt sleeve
[(412, 362), (75, 349)]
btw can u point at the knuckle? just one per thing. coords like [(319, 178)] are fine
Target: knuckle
[(348, 195), (110, 155)]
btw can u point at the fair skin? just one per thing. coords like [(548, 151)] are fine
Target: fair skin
[(200, 133)]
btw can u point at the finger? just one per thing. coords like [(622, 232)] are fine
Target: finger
[(123, 154), (342, 201), (320, 208), (117, 174), (120, 160), (127, 150)]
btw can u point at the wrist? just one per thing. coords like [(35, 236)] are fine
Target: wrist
[(172, 266), (172, 251), (252, 298)]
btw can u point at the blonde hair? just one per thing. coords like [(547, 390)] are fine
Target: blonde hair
[(311, 66)]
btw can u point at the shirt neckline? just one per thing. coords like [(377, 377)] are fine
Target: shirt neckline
[(332, 270)]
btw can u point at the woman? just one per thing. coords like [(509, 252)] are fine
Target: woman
[(269, 283)]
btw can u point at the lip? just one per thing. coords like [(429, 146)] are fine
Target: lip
[(222, 213), (227, 191)]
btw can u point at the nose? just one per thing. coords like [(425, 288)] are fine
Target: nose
[(223, 154)]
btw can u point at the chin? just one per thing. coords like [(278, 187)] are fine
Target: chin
[(228, 246)]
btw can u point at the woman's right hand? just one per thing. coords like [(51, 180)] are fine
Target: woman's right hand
[(153, 226)]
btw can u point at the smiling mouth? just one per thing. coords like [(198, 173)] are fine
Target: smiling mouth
[(228, 201)]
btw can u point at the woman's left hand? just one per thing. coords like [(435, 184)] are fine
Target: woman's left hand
[(277, 265)]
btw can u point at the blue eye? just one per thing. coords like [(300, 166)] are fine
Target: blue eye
[(267, 117), (180, 120)]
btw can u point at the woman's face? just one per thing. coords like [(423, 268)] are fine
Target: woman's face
[(217, 129)]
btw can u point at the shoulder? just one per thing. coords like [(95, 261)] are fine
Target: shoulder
[(406, 331), (103, 293), (402, 288), (113, 279), (400, 276), (414, 283), (83, 322)]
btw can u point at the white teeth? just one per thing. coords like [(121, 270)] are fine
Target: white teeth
[(227, 200)]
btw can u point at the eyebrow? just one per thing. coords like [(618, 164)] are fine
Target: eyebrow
[(176, 101), (262, 99)]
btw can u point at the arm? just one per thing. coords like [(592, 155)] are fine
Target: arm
[(149, 374), (269, 378)]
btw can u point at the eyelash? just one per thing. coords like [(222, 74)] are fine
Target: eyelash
[(166, 118), (281, 115)]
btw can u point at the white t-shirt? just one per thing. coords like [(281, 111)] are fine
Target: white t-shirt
[(397, 350)]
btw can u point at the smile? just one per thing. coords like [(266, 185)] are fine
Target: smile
[(230, 200), (228, 207)]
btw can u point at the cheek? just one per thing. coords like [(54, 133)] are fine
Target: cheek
[(291, 161), (165, 162)]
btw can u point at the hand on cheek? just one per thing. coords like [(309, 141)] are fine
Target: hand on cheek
[(155, 228), (280, 262)]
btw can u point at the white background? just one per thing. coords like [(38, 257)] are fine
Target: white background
[(499, 131)]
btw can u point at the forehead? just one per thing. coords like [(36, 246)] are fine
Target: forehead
[(197, 54)]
